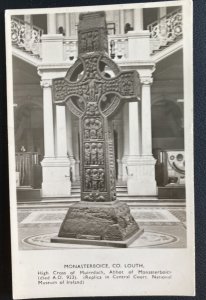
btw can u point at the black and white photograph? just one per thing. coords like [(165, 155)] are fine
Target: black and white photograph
[(101, 148)]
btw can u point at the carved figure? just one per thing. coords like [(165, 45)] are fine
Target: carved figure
[(100, 133), (93, 154), (101, 177), (100, 155), (87, 154), (86, 134), (87, 179), (93, 134), (95, 177)]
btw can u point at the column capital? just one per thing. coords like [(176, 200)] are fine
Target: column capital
[(146, 80), (46, 83)]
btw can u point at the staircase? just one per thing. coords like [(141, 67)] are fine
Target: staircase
[(31, 198), (26, 41), (166, 35)]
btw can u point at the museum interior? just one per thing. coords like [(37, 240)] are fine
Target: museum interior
[(148, 133)]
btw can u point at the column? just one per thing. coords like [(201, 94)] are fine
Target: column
[(51, 24), (49, 155), (133, 161), (67, 25), (147, 162), (48, 119), (146, 116), (70, 144), (61, 22), (138, 19), (55, 166), (121, 21), (134, 130), (61, 139), (125, 141), (62, 167)]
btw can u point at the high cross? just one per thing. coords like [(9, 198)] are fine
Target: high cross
[(93, 89)]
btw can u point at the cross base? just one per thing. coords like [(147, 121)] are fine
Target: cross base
[(93, 223), (117, 244)]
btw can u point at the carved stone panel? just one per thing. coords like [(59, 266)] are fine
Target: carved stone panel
[(93, 97)]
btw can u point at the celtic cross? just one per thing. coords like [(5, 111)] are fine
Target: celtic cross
[(93, 89)]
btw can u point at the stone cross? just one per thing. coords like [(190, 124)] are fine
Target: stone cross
[(93, 89)]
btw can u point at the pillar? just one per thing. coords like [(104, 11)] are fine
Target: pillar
[(70, 144), (138, 19), (48, 119), (62, 168), (61, 139), (49, 155), (51, 24), (121, 21), (61, 21), (67, 25), (55, 165), (133, 161), (146, 116), (125, 141), (147, 182)]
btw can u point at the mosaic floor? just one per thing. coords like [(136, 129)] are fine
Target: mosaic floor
[(163, 228)]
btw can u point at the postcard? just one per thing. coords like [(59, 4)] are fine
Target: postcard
[(100, 127)]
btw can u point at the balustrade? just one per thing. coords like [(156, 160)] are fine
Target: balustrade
[(165, 30), (118, 47), (26, 36), (70, 49)]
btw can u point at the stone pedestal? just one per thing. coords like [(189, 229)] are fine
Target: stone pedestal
[(141, 176), (56, 177), (109, 223)]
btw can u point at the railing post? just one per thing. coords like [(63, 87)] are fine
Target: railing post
[(52, 48)]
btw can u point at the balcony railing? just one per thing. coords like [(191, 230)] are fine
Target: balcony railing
[(26, 36), (117, 45), (166, 30), (163, 32)]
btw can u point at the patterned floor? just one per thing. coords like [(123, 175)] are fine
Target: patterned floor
[(163, 228)]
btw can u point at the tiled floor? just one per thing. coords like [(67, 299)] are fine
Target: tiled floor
[(163, 228)]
